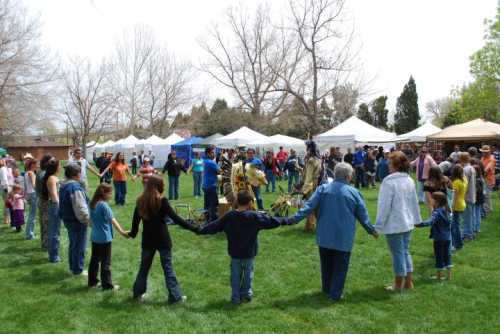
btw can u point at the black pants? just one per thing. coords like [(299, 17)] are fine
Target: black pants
[(101, 255), (334, 266)]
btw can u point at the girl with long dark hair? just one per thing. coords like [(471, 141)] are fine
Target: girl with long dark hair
[(153, 210), (50, 193)]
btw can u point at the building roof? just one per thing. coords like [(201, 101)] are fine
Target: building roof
[(38, 144)]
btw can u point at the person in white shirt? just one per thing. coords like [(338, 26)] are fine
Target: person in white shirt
[(84, 165), (4, 188), (397, 214)]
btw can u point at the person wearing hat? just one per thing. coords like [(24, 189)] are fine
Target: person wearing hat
[(489, 164), (27, 158), (422, 164), (146, 170), (84, 165)]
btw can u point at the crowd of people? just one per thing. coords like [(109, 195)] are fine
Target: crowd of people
[(456, 191)]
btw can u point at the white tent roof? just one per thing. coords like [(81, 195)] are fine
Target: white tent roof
[(420, 134), (174, 138), (241, 137), (109, 143), (91, 144), (153, 140), (279, 140), (355, 131)]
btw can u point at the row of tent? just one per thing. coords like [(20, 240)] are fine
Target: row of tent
[(350, 133)]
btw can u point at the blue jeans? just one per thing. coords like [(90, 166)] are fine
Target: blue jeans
[(293, 179), (420, 191), (54, 231), (211, 202), (77, 235), (173, 187), (334, 267), (141, 281), (399, 245), (271, 179), (258, 197), (456, 233), (442, 253), (360, 176), (30, 226), (478, 208), (197, 178), (120, 192), (241, 279), (469, 218)]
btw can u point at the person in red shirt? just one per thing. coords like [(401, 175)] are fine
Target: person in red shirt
[(489, 164), (271, 170), (146, 170), (282, 157)]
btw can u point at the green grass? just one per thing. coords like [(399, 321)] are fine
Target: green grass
[(39, 297)]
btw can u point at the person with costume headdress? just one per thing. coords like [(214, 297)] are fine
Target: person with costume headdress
[(312, 175)]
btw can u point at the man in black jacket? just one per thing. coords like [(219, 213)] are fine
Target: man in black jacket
[(173, 167)]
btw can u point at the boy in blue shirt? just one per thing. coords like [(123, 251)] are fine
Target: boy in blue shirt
[(102, 234), (242, 227), (209, 180)]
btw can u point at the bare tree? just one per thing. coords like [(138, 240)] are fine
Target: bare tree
[(168, 89), (88, 102), (239, 51), (26, 69), (129, 72), (322, 57)]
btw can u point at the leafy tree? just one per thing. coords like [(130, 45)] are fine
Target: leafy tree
[(379, 112), (364, 113), (485, 63), (407, 115), (219, 104)]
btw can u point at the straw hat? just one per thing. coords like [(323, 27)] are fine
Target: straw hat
[(485, 149), (28, 156)]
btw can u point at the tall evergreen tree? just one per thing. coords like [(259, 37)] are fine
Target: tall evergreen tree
[(407, 115), (364, 113), (379, 112), (219, 104)]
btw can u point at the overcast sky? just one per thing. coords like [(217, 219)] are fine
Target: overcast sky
[(429, 39)]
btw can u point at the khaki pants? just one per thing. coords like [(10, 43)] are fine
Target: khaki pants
[(487, 199)]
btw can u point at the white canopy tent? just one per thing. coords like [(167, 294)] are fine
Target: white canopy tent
[(277, 141), (420, 134), (352, 132), (108, 146), (241, 137), (90, 150), (126, 146), (162, 148)]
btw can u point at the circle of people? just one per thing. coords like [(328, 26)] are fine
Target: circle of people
[(456, 191)]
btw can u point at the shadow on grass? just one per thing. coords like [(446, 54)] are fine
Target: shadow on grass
[(43, 276)]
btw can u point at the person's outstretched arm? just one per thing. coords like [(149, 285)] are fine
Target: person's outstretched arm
[(214, 227), (178, 220), (135, 224), (309, 206), (362, 215)]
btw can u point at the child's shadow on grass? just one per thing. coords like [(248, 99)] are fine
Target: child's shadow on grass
[(42, 276)]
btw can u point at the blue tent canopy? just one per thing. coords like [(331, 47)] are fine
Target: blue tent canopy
[(184, 149)]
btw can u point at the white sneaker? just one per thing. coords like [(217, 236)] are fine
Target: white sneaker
[(84, 273)]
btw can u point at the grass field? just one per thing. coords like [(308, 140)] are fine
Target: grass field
[(39, 297)]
